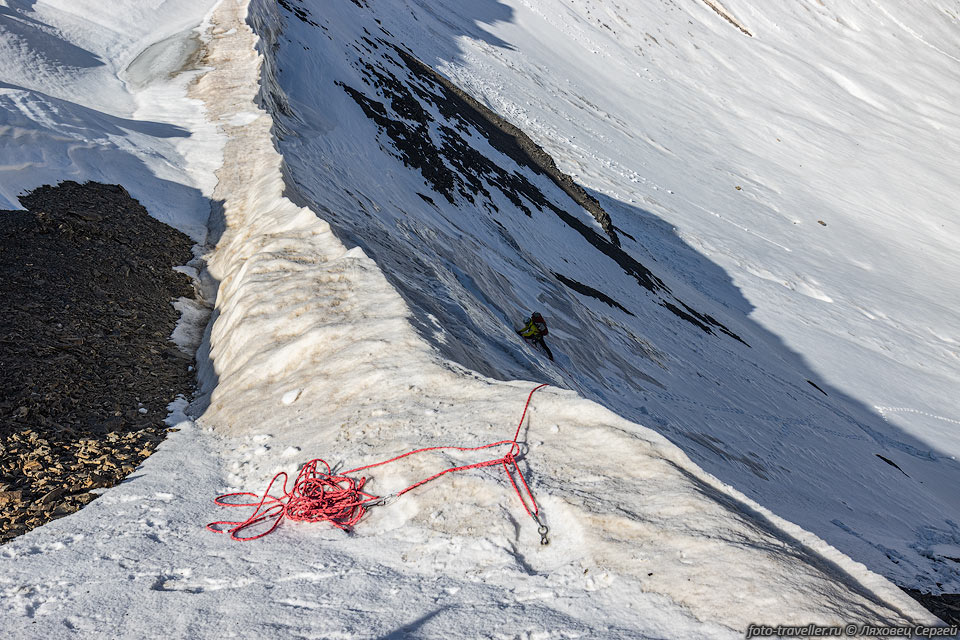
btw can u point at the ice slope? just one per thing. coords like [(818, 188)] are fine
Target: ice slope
[(86, 94), (311, 352), (784, 304)]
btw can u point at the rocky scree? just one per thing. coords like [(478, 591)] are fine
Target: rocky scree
[(88, 368)]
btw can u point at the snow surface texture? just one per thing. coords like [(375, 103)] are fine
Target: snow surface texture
[(311, 352), (716, 154), (69, 109)]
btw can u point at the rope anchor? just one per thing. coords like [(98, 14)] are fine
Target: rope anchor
[(543, 530), (336, 497)]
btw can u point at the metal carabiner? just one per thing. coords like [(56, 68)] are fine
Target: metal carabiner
[(543, 530), (384, 501)]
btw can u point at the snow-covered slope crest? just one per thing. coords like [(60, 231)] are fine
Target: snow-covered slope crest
[(712, 151), (312, 354)]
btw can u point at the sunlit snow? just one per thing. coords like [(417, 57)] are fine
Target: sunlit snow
[(715, 448)]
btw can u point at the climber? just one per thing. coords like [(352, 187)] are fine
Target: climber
[(534, 331)]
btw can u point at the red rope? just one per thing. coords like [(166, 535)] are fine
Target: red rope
[(319, 496)]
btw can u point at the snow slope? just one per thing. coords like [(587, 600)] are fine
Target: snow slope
[(85, 94), (314, 350), (821, 382)]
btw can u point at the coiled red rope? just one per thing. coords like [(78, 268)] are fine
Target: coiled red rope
[(325, 496)]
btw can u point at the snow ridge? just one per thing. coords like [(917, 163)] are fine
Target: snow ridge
[(649, 467), (312, 351), (474, 240)]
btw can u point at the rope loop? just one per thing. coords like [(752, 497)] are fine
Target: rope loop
[(316, 496)]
